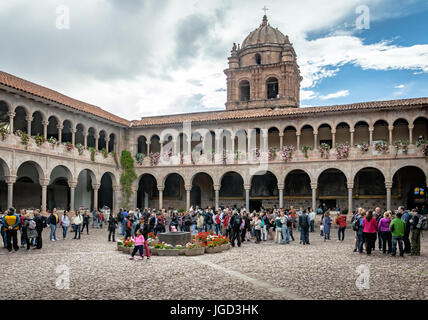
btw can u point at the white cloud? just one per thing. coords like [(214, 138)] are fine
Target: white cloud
[(401, 86), (338, 94)]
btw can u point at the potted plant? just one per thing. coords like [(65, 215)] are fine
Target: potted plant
[(24, 138), (272, 154), (423, 145), (401, 145), (194, 249), (154, 159), (39, 140), (342, 151), (324, 150), (256, 154), (93, 151), (139, 157), (105, 153), (128, 246), (80, 148), (305, 150), (181, 250), (287, 153), (69, 146), (53, 141), (165, 249), (381, 147), (364, 147), (119, 244), (3, 133)]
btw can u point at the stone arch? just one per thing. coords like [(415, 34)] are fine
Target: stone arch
[(272, 87), (91, 174), (37, 123), (68, 173), (233, 185), (106, 190), (147, 190), (37, 166), (201, 172), (20, 119), (202, 191), (333, 187), (283, 175), (407, 182), (5, 167)]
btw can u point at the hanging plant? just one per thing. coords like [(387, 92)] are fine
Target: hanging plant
[(24, 138), (80, 148), (53, 141), (128, 176), (305, 150), (39, 140), (115, 159), (181, 157), (224, 157), (324, 150), (69, 146), (382, 147), (167, 155), (423, 145), (154, 159), (238, 155), (93, 151), (364, 147), (105, 153), (401, 145), (3, 133), (139, 157), (272, 154), (256, 154), (342, 151), (287, 153)]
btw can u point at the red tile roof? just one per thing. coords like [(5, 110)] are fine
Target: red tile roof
[(54, 96), (268, 112)]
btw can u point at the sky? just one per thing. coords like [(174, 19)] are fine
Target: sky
[(138, 58)]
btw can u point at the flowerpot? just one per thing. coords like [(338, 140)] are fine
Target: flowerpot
[(226, 246), (168, 252), (153, 251), (181, 252), (128, 250), (119, 248), (213, 250), (194, 252)]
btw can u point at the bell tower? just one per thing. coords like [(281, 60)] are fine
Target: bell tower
[(263, 72)]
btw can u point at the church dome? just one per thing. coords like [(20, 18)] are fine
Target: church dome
[(263, 35)]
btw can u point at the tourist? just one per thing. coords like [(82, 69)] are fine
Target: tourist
[(94, 219), (100, 219), (52, 224), (200, 222), (406, 216), (143, 227), (341, 222), (312, 220), (286, 224), (65, 223), (257, 227), (327, 225), (174, 221), (128, 227), (293, 214), (22, 217), (417, 222), (124, 216), (78, 220), (30, 227), (208, 220), (397, 228), (160, 226), (217, 219), (278, 227), (138, 246), (264, 232), (85, 222), (235, 225), (120, 221), (153, 220), (40, 224), (11, 223), (378, 215), (304, 222), (369, 231), (3, 233), (385, 232)]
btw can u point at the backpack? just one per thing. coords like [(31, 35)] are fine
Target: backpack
[(289, 224), (319, 211), (120, 216), (356, 224), (304, 223), (32, 225), (237, 221), (422, 223)]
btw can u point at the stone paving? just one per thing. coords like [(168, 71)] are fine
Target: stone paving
[(322, 270)]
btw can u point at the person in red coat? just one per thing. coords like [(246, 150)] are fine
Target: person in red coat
[(341, 222)]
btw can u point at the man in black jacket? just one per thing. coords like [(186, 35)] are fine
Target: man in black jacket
[(112, 224), (235, 225), (40, 224)]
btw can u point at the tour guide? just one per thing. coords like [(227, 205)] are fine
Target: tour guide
[(11, 223)]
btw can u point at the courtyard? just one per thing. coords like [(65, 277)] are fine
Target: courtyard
[(268, 271)]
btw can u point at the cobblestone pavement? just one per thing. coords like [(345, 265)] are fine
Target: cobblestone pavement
[(322, 270)]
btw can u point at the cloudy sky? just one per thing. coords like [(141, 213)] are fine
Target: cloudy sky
[(140, 58)]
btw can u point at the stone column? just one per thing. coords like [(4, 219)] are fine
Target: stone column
[(95, 187), (217, 196), (333, 138), (391, 129), (107, 142), (281, 141), (45, 129), (72, 186), (315, 140), (10, 180), (116, 190), (247, 188), (44, 184), (249, 149), (97, 141), (73, 136), (298, 140), (29, 120), (218, 153), (352, 131), (371, 130), (60, 127), (281, 195), (350, 190), (411, 135), (265, 136), (11, 118), (188, 189), (314, 187), (85, 140), (160, 190), (388, 186)]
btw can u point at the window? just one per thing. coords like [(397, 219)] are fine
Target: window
[(258, 58), (244, 89), (272, 88)]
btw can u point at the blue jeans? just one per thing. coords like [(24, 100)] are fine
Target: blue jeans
[(304, 235), (400, 245), (52, 235), (200, 230), (77, 230), (64, 232), (194, 229), (285, 235), (3, 234), (94, 222), (360, 240), (218, 228)]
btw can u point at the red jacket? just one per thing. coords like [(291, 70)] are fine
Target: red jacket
[(341, 221), (226, 221)]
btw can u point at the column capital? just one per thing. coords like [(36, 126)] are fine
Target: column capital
[(351, 130), (388, 184), (315, 132), (44, 182), (217, 187), (10, 179), (411, 127), (333, 131), (371, 129), (390, 128), (72, 184), (60, 127), (45, 123), (247, 187), (188, 187), (96, 186), (314, 185), (281, 186), (29, 118), (11, 114), (161, 188), (281, 134), (350, 186), (298, 133), (148, 143), (73, 131)]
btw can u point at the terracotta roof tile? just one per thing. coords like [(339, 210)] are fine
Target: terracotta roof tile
[(45, 93), (267, 112)]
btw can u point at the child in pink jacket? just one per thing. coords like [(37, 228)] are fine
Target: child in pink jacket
[(139, 243)]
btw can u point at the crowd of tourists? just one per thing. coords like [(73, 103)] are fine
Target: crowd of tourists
[(401, 227), (29, 224)]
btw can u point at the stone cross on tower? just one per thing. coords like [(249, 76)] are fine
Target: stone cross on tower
[(265, 9)]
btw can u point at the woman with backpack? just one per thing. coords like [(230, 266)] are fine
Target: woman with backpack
[(65, 224), (30, 229), (258, 227), (369, 231)]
